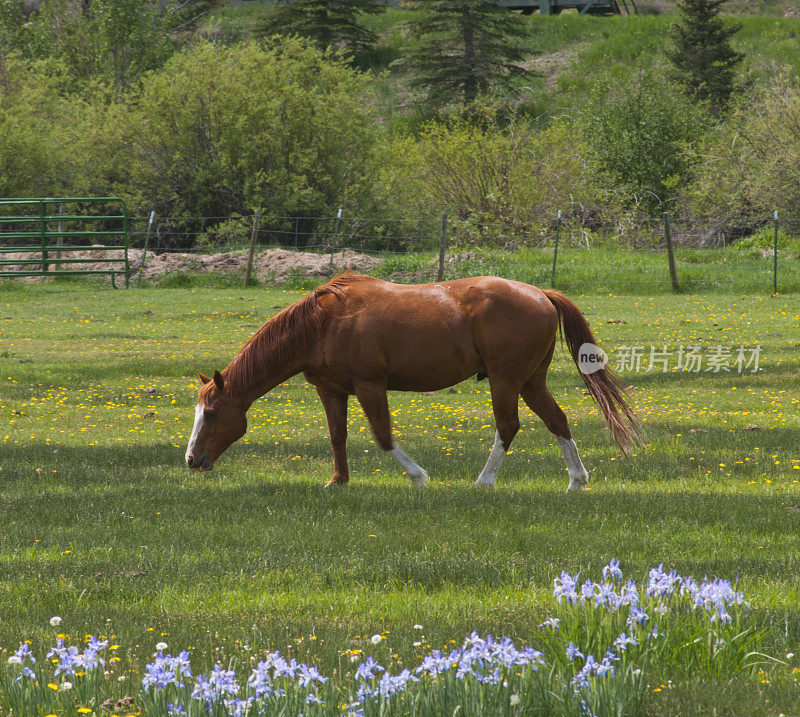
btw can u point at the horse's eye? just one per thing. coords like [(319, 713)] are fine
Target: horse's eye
[(209, 415)]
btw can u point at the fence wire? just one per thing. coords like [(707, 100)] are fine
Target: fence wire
[(621, 253)]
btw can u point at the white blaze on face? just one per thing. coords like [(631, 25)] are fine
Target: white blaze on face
[(198, 424)]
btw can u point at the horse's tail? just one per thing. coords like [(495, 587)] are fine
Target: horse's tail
[(604, 386)]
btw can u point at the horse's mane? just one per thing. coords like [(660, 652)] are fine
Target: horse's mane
[(282, 337)]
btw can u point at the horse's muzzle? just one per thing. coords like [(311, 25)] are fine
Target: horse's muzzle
[(199, 463)]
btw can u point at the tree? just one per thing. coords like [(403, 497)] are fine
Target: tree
[(704, 62), (640, 134), (325, 23), (499, 177), (115, 41), (220, 131), (462, 48)]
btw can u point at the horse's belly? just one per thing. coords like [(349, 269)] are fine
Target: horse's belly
[(432, 370)]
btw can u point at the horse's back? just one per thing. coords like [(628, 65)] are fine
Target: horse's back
[(428, 336)]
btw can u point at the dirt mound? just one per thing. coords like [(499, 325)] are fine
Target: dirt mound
[(272, 265)]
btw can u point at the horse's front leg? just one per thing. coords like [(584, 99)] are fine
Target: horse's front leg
[(336, 412), (372, 398)]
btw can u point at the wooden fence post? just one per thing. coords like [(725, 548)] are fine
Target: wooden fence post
[(673, 276), (253, 236), (775, 257), (442, 248), (144, 253), (555, 251), (333, 241)]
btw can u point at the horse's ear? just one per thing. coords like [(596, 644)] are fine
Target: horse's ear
[(218, 380), (204, 379)]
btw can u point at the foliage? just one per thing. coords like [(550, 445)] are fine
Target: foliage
[(752, 166), (459, 50), (115, 41), (497, 180), (222, 131), (641, 134), (326, 23), (51, 141), (702, 57)]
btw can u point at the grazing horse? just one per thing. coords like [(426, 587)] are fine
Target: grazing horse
[(360, 335)]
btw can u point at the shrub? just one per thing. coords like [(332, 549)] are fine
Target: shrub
[(221, 131), (499, 183), (642, 134)]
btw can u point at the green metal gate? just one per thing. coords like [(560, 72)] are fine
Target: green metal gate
[(41, 229)]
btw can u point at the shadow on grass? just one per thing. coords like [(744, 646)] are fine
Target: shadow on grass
[(447, 534)]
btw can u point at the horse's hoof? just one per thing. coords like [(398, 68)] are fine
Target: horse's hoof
[(576, 487), (332, 483), (421, 480), (484, 484)]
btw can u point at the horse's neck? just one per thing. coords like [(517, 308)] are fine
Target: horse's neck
[(273, 355)]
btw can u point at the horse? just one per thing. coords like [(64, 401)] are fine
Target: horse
[(358, 335)]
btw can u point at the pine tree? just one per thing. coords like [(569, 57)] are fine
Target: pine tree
[(326, 23), (702, 57), (464, 47)]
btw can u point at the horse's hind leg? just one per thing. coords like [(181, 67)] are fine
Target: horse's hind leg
[(373, 400), (539, 400), (505, 405)]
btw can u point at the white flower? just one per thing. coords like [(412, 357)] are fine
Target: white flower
[(354, 658), (513, 700), (417, 627), (64, 686), (55, 621), (417, 643), (161, 646), (122, 678), (789, 655), (375, 639), (14, 660)]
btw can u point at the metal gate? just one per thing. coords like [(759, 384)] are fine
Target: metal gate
[(48, 237)]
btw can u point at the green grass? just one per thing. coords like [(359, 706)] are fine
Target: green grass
[(102, 524)]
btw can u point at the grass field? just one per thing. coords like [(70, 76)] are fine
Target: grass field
[(102, 524)]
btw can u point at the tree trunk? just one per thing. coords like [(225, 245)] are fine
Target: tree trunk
[(470, 78)]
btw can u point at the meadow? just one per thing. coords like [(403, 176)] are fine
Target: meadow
[(102, 524)]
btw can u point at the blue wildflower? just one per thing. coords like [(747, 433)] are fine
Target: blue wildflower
[(366, 670), (573, 652), (612, 569), (564, 586)]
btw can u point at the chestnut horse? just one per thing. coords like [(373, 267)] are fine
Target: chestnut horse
[(363, 336)]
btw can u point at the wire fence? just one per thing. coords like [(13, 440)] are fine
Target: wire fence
[(754, 253), (568, 250)]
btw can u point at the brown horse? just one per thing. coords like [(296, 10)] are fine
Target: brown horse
[(363, 336)]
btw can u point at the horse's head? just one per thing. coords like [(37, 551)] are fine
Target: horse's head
[(220, 419)]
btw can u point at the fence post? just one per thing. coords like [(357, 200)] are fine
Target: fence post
[(673, 276), (775, 257), (60, 238), (555, 251), (296, 231), (43, 231), (442, 248), (333, 241), (253, 236), (144, 253)]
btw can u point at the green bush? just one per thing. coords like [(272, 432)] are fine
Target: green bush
[(642, 134), (221, 131), (498, 182)]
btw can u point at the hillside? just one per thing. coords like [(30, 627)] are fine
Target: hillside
[(572, 54)]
